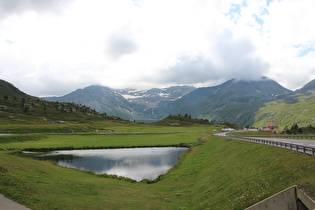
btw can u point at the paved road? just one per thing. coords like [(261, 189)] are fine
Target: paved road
[(7, 204), (309, 144)]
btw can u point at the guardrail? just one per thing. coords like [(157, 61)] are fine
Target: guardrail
[(284, 136), (285, 145)]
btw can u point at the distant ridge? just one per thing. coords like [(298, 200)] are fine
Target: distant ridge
[(129, 104), (234, 101), (102, 99), (307, 87)]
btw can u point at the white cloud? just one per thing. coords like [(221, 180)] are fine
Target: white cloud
[(18, 7), (234, 58), (121, 43), (57, 46)]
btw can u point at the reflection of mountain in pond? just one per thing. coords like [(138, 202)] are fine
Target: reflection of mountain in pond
[(134, 163)]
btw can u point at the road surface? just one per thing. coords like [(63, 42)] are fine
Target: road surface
[(7, 204), (304, 146)]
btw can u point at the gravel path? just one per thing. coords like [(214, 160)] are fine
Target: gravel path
[(7, 204)]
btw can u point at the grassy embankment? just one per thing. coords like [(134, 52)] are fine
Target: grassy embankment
[(252, 133), (216, 174)]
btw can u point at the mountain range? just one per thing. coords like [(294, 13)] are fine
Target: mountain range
[(129, 104), (234, 101), (240, 102)]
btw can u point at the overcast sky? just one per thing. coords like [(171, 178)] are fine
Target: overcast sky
[(53, 47)]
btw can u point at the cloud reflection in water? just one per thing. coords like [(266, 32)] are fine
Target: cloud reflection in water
[(134, 163)]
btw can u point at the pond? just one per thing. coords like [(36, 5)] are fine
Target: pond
[(133, 163)]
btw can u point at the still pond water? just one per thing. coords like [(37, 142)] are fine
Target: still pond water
[(134, 163)]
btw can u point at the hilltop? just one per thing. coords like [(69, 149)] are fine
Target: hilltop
[(9, 90), (185, 120)]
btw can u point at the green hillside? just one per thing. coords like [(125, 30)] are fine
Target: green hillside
[(20, 112), (7, 90), (298, 108)]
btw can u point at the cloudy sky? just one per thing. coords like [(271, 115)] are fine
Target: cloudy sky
[(53, 47)]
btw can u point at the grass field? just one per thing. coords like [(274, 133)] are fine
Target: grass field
[(215, 174), (38, 141)]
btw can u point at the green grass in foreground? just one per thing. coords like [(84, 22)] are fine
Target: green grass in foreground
[(217, 174)]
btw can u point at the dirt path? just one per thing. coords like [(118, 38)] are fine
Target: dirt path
[(7, 204)]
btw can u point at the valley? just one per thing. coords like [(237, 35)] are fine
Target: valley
[(214, 173), (172, 105)]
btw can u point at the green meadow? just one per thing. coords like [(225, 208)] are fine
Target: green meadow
[(60, 141), (215, 173)]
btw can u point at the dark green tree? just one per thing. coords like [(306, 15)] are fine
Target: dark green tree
[(295, 128)]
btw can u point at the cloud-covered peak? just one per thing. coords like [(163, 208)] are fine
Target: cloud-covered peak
[(228, 58)]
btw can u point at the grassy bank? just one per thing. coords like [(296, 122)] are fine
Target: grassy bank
[(217, 174)]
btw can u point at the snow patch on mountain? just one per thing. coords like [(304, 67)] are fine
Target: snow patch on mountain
[(126, 96)]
